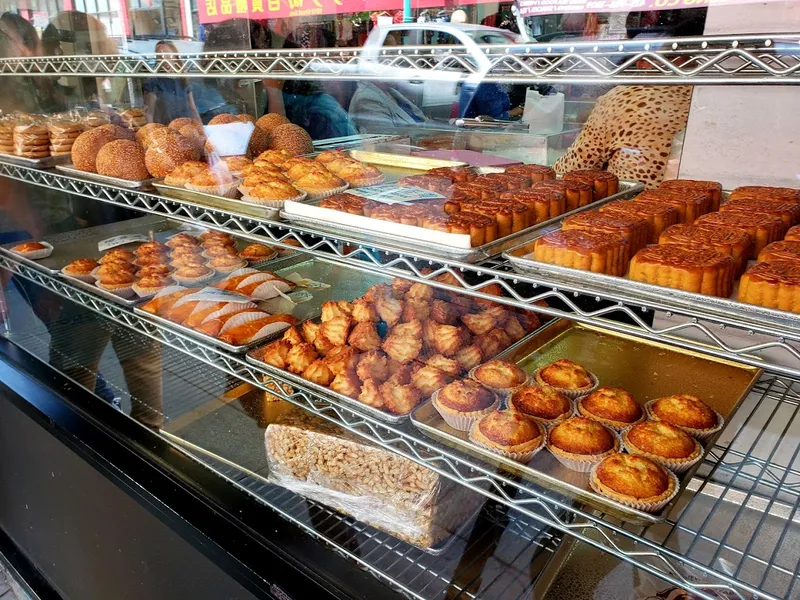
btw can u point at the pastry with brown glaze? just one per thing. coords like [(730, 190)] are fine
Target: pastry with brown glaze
[(658, 216), (788, 251), (698, 270), (509, 434), (535, 173), (772, 285), (789, 212), (711, 189), (463, 402), (727, 240), (764, 229), (543, 205), (604, 183), (635, 481), (632, 228), (611, 406), (576, 193), (585, 250), (541, 403), (579, 443), (764, 192), (689, 204)]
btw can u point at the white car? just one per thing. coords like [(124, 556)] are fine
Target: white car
[(431, 89)]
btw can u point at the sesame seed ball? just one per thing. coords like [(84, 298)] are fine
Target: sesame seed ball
[(176, 124), (88, 144), (145, 133), (223, 119), (165, 154), (292, 138), (123, 159), (270, 121)]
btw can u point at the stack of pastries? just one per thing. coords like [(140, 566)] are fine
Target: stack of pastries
[(699, 242), (485, 207), (397, 344)]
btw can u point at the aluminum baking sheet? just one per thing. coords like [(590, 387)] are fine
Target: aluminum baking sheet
[(628, 189), (46, 162), (132, 184), (646, 369), (520, 258), (94, 289), (436, 549), (212, 201), (345, 283)]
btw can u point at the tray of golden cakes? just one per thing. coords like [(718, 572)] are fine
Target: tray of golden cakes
[(684, 245), (248, 307), (617, 422), (389, 349), (460, 213)]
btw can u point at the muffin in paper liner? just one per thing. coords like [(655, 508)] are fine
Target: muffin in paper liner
[(698, 434), (361, 183), (320, 194), (617, 426), (502, 393), (676, 465), (36, 254), (650, 505), (191, 280), (88, 277), (123, 290), (462, 421), (573, 394), (583, 463), (145, 292), (547, 423), (228, 270), (522, 453), (226, 190), (272, 203)]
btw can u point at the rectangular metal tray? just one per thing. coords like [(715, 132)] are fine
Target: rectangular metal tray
[(212, 201), (343, 287), (435, 550), (646, 369), (142, 184), (636, 291), (46, 162), (628, 189)]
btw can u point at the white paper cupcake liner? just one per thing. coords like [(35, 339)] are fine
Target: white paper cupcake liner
[(227, 190), (545, 422), (504, 393), (463, 421), (698, 434), (88, 278), (362, 183), (520, 457), (651, 507), (37, 254), (191, 280), (573, 394), (144, 292), (122, 292), (227, 270), (272, 203), (673, 464), (258, 261), (320, 194), (617, 426), (583, 463)]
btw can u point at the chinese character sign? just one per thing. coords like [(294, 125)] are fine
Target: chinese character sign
[(215, 11)]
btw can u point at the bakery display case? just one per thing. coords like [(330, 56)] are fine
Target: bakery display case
[(401, 362)]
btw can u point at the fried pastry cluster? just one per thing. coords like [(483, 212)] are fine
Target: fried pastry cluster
[(398, 343)]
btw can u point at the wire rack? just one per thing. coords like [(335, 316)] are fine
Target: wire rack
[(709, 60), (760, 343), (758, 474)]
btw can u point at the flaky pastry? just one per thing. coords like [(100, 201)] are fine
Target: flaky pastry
[(300, 357), (336, 330), (318, 372), (276, 354), (364, 311), (389, 309), (429, 379), (347, 384), (448, 339), (371, 394), (364, 337), (332, 309), (341, 359), (479, 323), (373, 365), (448, 366), (402, 348), (293, 336), (469, 356), (400, 399)]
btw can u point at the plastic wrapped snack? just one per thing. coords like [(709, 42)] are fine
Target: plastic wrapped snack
[(323, 462)]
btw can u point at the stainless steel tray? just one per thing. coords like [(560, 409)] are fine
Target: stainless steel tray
[(437, 548), (212, 201), (94, 289), (646, 369), (142, 184), (342, 286), (628, 189), (519, 257), (46, 162)]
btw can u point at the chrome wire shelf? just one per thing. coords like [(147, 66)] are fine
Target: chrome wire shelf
[(692, 328), (761, 471), (494, 557), (744, 59)]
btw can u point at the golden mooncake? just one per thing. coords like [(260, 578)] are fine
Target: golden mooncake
[(711, 189), (781, 251), (699, 270), (533, 172), (789, 212), (772, 285), (658, 216), (766, 192), (632, 228), (689, 204), (730, 241), (764, 229), (584, 250), (604, 183), (576, 193), (793, 235)]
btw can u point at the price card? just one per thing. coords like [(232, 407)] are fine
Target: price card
[(211, 294), (301, 281), (121, 240), (390, 193)]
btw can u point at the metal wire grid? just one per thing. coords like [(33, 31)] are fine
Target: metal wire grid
[(567, 301), (722, 60), (653, 553), (490, 558)]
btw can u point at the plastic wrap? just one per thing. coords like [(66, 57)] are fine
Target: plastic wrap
[(321, 461)]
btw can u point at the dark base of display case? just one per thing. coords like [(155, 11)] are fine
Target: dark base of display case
[(96, 506)]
